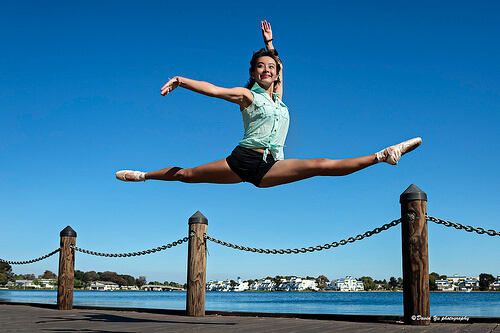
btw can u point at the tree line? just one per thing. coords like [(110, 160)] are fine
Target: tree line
[(85, 278), (81, 278)]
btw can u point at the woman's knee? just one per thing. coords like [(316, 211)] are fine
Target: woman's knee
[(320, 164), (185, 176)]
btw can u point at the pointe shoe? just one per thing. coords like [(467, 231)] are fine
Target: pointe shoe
[(392, 154), (139, 176)]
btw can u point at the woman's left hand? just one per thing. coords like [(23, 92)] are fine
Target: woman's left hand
[(170, 86)]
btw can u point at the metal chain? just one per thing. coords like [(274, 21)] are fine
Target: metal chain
[(133, 254), (459, 226), (30, 261), (307, 249), (386, 226)]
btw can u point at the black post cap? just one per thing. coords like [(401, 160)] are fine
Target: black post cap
[(412, 193), (198, 217), (68, 232)]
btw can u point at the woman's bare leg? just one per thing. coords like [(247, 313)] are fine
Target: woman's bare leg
[(282, 172), (292, 170), (217, 172)]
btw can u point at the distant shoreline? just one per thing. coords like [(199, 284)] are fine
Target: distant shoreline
[(272, 291)]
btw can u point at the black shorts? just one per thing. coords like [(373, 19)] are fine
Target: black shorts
[(249, 165)]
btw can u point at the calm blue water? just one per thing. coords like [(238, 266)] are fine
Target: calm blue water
[(380, 303)]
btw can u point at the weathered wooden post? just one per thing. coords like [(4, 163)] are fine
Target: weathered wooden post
[(66, 270), (415, 256), (197, 264)]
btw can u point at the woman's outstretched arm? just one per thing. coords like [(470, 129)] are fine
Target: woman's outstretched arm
[(238, 95), (267, 34)]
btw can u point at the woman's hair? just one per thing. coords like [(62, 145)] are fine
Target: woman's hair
[(263, 53)]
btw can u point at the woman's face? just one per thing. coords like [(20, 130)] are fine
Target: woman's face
[(265, 71)]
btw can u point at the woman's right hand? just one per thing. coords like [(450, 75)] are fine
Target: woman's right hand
[(267, 32), (170, 86)]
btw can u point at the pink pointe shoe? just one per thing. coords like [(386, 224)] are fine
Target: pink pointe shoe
[(139, 176), (392, 154)]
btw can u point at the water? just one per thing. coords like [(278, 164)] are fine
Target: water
[(484, 304)]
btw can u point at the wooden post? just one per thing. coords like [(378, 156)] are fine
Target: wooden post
[(415, 256), (66, 270), (197, 264)]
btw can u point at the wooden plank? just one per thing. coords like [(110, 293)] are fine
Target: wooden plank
[(22, 318), (482, 327)]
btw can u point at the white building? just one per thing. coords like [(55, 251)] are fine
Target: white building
[(240, 286), (47, 283), (297, 284), (129, 288), (263, 284), (218, 285), (347, 284), (103, 285), (496, 285), (37, 283), (468, 285), (21, 284), (226, 285), (445, 285), (456, 279)]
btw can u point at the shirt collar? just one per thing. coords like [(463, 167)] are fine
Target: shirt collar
[(258, 89)]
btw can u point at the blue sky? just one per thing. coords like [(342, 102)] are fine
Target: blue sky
[(80, 99)]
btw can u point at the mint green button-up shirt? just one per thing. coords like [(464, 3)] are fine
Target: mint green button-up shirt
[(266, 123)]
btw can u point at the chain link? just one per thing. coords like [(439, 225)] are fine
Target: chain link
[(30, 261), (132, 254), (459, 226), (307, 249)]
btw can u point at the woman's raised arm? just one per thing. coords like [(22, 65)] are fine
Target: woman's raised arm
[(238, 95), (267, 34)]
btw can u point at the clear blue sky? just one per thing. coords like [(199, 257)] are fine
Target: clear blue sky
[(80, 99)]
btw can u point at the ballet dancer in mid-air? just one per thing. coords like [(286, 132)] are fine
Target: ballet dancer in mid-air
[(258, 158)]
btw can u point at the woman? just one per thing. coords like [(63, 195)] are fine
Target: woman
[(259, 158)]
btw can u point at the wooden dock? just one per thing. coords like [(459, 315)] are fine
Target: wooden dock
[(46, 318)]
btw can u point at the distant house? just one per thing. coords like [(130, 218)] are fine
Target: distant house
[(103, 285), (496, 285), (297, 284), (37, 283), (445, 285), (457, 283), (347, 284), (129, 288), (21, 284), (47, 283), (218, 285), (159, 287), (226, 285), (456, 279), (240, 285), (468, 285), (263, 284)]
